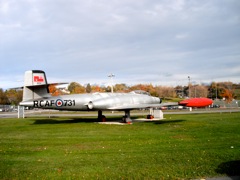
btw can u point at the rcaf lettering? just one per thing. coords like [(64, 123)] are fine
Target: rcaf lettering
[(51, 103)]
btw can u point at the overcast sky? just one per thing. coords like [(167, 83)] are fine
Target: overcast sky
[(141, 41)]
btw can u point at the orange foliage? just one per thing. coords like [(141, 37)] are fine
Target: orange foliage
[(228, 94), (53, 90), (97, 88), (145, 87)]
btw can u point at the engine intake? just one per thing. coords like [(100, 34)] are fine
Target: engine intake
[(90, 105)]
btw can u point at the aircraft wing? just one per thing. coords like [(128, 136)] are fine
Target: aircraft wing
[(141, 106)]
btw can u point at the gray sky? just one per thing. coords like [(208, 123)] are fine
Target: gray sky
[(141, 41)]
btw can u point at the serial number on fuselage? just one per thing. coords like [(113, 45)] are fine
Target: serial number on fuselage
[(51, 103)]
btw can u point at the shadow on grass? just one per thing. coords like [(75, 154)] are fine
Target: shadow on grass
[(168, 121), (231, 168), (165, 121), (92, 120), (70, 120)]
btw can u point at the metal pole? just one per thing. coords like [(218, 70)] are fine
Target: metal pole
[(216, 91), (195, 91), (111, 76), (189, 90)]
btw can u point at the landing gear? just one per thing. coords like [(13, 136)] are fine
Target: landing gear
[(101, 117), (126, 118)]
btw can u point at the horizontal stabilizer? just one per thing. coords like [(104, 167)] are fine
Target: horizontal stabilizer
[(49, 84)]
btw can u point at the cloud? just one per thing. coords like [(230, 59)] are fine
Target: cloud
[(159, 42)]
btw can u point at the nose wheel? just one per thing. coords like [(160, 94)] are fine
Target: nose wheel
[(101, 117)]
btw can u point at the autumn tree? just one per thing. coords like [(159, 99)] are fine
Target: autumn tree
[(120, 87), (96, 88), (3, 97), (14, 96), (138, 87), (227, 94), (76, 88), (199, 91), (165, 91), (19, 96), (53, 90), (226, 90), (222, 90), (145, 87)]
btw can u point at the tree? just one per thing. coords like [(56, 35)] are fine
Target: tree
[(14, 96), (145, 87), (19, 95), (164, 91), (88, 88), (222, 90), (108, 89), (236, 91), (227, 94), (199, 91), (214, 90), (3, 98), (97, 88), (120, 87), (53, 90), (76, 88), (226, 90)]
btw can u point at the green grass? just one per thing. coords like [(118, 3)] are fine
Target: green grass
[(179, 147)]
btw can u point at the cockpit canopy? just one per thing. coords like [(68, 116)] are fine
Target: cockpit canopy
[(140, 92)]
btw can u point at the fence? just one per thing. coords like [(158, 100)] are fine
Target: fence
[(8, 108)]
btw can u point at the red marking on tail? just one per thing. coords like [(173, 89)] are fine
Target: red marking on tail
[(38, 79)]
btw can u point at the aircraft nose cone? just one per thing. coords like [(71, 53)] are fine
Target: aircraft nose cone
[(160, 100), (156, 100)]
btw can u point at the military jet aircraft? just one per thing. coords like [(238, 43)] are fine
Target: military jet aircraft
[(36, 94)]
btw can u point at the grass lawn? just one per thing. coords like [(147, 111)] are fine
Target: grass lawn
[(179, 147)]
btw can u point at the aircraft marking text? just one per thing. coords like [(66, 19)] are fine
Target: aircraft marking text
[(51, 103)]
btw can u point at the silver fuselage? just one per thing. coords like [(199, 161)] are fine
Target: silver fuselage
[(94, 101)]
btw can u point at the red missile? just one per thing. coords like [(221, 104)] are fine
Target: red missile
[(196, 102)]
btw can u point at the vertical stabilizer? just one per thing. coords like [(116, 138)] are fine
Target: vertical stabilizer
[(35, 85)]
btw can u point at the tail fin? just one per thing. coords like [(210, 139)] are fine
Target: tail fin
[(35, 85)]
